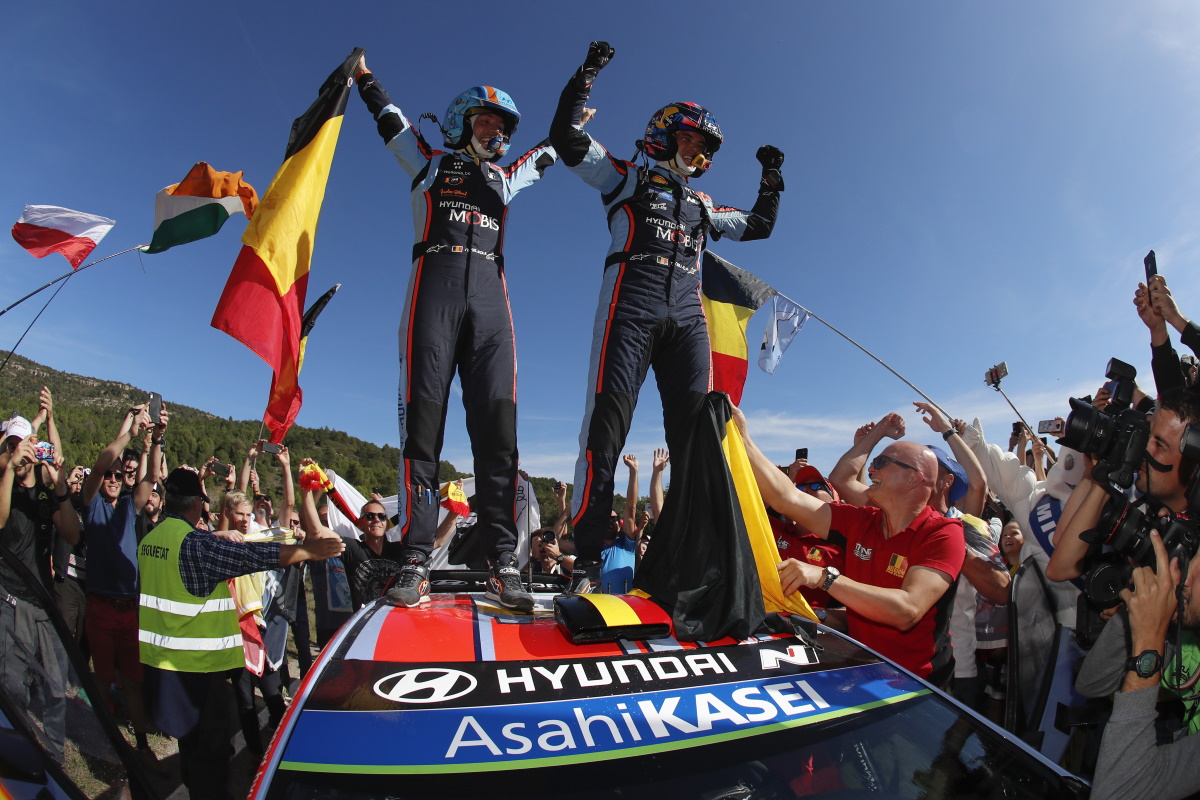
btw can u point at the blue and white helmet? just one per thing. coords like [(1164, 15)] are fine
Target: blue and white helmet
[(476, 100), (659, 141)]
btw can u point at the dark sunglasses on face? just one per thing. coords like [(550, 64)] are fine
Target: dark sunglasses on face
[(374, 515), (114, 476), (812, 487), (880, 461)]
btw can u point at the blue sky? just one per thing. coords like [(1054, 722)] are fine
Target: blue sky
[(967, 182)]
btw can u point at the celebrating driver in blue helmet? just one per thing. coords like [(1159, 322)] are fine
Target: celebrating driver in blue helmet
[(456, 316), (649, 312)]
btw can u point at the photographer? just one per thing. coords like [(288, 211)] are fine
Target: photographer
[(1131, 763), (1162, 479)]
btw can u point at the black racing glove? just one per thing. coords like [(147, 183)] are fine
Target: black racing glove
[(599, 54), (771, 158)]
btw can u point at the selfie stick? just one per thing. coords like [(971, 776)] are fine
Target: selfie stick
[(996, 386), (881, 362)]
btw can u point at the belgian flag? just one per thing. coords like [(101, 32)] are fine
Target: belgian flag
[(730, 297), (263, 302)]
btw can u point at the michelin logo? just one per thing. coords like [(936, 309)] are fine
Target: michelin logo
[(661, 716)]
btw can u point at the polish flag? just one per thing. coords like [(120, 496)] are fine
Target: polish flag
[(43, 230)]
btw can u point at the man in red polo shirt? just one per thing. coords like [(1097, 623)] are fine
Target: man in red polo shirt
[(902, 556)]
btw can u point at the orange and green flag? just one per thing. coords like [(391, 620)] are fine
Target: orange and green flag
[(263, 302), (730, 296), (198, 206)]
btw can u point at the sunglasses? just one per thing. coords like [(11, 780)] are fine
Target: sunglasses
[(880, 461), (812, 487), (378, 516), (114, 476)]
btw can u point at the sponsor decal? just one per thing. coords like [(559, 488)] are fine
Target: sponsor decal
[(674, 236), (663, 261), (659, 179), (861, 552), (897, 565), (815, 555), (454, 180), (458, 248), (782, 544), (425, 685), (546, 729), (452, 192), (475, 218), (796, 654), (658, 206)]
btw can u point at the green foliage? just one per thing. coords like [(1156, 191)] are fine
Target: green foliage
[(88, 413)]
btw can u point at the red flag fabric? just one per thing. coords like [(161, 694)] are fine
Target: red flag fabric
[(43, 230)]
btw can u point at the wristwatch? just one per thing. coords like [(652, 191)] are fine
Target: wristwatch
[(831, 575), (946, 436), (1145, 663)]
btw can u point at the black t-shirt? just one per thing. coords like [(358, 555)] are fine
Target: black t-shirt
[(356, 553), (29, 535)]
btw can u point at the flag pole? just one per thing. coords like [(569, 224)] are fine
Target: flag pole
[(69, 274), (872, 355), (35, 319)]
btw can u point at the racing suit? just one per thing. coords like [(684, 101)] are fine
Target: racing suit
[(650, 313), (456, 314)]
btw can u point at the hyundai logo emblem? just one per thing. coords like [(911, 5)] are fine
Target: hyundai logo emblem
[(425, 685)]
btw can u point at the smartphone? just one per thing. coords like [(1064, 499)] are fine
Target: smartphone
[(1016, 429), (1054, 426), (994, 375), (1151, 265), (221, 469), (155, 407), (44, 451), (272, 448), (802, 453), (1111, 386)]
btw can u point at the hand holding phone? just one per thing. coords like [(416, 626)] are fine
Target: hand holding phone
[(272, 448)]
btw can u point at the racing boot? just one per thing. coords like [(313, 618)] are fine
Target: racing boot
[(411, 587), (504, 584), (585, 577)]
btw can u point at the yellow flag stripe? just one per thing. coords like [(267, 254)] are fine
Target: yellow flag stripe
[(766, 554), (727, 327), (614, 610), (283, 229)]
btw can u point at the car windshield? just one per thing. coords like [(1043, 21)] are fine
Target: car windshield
[(923, 747)]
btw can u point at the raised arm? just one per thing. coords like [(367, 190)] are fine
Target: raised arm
[(631, 498), (846, 473), (951, 431), (661, 459), (1084, 505), (142, 489), (289, 487), (136, 420), (24, 454), (65, 520), (779, 492)]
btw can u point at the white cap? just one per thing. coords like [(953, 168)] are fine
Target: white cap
[(17, 426)]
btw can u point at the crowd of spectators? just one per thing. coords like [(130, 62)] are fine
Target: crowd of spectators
[(915, 549)]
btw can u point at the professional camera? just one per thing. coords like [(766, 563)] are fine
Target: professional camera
[(1125, 528), (1117, 439)]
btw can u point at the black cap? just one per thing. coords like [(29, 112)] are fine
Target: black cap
[(182, 482)]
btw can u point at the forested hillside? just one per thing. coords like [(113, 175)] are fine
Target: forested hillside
[(89, 412)]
